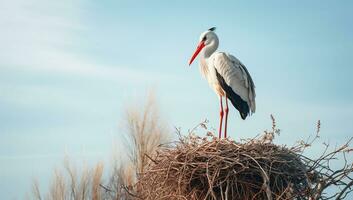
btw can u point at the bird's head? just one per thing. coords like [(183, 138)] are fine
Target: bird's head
[(207, 38)]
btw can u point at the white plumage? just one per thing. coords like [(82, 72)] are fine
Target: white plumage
[(236, 76), (226, 75)]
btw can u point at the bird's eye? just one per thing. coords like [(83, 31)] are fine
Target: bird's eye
[(204, 38)]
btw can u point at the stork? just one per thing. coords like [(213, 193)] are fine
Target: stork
[(227, 76)]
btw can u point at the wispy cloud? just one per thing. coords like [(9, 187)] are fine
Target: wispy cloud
[(37, 35), (32, 27)]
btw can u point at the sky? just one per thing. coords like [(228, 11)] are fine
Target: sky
[(69, 68)]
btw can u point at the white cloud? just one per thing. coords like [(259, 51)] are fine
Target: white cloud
[(37, 34), (31, 27)]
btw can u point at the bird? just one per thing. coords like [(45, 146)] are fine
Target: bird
[(227, 76)]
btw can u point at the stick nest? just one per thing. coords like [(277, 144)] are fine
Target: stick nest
[(197, 168), (208, 168)]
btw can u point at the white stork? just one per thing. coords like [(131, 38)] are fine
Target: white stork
[(227, 76)]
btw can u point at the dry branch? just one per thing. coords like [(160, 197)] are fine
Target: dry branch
[(208, 168)]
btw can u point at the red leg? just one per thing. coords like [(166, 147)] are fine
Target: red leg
[(226, 120), (221, 117)]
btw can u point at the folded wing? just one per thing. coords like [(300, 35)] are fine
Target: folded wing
[(236, 81)]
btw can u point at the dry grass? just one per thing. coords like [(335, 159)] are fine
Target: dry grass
[(144, 131), (71, 186), (97, 175)]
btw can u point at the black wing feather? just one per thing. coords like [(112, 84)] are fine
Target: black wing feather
[(241, 105)]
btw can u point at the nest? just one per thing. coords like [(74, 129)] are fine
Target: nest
[(198, 168), (208, 168)]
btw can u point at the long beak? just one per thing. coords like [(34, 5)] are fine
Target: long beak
[(199, 48)]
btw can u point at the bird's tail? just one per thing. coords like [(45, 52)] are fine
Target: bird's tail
[(243, 115)]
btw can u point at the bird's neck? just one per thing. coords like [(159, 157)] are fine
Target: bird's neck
[(210, 49)]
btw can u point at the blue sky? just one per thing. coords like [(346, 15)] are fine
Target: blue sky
[(68, 69)]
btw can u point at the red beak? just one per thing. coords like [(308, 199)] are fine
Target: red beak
[(199, 48)]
